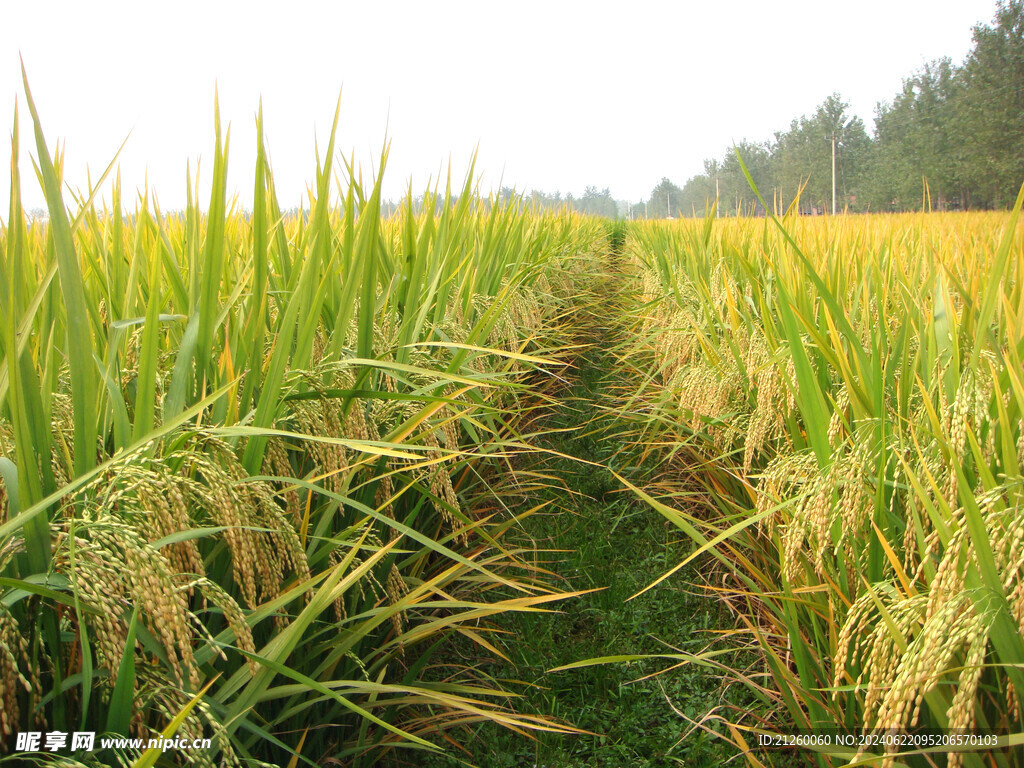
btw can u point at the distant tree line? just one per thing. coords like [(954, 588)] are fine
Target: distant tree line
[(593, 202), (952, 138)]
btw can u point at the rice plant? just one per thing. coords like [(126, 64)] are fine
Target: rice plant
[(250, 461), (846, 394)]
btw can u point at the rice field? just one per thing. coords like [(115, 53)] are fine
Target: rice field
[(261, 473), (847, 392), (252, 463)]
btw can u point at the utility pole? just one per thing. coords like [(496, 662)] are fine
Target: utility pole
[(717, 211), (833, 173)]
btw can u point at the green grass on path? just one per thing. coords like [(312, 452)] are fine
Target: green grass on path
[(598, 536)]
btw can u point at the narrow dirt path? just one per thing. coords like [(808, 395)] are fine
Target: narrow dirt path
[(598, 536)]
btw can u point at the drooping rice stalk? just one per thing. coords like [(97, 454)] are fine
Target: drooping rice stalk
[(848, 390), (243, 457)]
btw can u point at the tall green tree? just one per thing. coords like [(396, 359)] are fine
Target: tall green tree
[(919, 145), (666, 200), (735, 194), (802, 157), (598, 203), (992, 110)]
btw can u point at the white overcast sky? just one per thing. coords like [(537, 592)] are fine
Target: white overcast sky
[(558, 95)]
